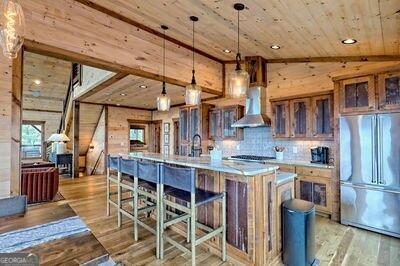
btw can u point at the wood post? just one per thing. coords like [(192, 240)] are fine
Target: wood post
[(76, 106)]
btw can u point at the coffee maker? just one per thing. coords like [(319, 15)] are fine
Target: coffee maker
[(320, 155)]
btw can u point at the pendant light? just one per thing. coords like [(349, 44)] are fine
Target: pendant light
[(163, 100), (193, 91), (12, 25), (239, 79)]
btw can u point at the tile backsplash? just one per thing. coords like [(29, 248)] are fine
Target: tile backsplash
[(259, 141)]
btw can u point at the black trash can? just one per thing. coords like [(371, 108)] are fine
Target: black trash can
[(298, 233)]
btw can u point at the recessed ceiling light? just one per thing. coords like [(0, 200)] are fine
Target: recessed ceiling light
[(226, 51), (109, 100), (118, 104), (275, 47), (349, 41), (122, 94), (37, 81), (143, 86)]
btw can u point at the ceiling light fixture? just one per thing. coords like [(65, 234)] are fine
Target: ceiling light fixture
[(193, 91), (239, 80), (143, 86), (37, 81), (163, 100), (12, 24), (122, 94), (349, 41), (227, 51), (275, 47)]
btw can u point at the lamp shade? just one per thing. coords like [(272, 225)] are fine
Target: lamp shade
[(12, 26), (239, 83), (61, 137), (163, 102), (193, 94)]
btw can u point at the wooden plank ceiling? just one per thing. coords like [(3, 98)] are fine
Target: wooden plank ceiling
[(127, 92), (303, 28), (53, 75)]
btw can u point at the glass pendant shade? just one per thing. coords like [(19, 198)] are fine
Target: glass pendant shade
[(163, 102), (238, 83), (193, 94), (12, 26)]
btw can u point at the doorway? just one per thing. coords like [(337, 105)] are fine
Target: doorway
[(155, 136), (176, 136)]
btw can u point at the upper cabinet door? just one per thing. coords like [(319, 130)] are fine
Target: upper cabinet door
[(184, 124), (229, 116), (389, 91), (322, 116), (215, 124), (280, 119), (300, 118), (357, 95), (194, 122)]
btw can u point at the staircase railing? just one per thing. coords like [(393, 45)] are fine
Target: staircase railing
[(97, 163), (65, 106)]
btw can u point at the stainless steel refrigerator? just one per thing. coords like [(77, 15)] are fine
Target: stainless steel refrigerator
[(370, 172)]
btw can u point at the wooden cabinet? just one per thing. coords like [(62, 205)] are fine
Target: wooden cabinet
[(256, 66), (193, 120), (300, 118), (280, 119), (316, 189), (307, 117), (389, 90), (322, 117), (357, 95), (221, 120), (283, 192)]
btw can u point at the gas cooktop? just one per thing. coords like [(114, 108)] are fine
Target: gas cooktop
[(251, 158)]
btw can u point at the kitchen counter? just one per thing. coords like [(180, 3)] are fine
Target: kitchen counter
[(204, 162), (284, 177), (300, 163)]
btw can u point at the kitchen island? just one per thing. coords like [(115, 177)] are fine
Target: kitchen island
[(252, 212)]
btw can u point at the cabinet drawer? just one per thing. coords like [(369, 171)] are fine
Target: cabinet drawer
[(311, 171), (287, 168)]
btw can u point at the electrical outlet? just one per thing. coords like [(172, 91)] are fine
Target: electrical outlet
[(295, 149)]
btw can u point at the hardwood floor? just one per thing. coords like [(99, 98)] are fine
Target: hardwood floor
[(335, 244)]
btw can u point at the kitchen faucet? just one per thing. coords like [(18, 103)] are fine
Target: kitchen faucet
[(196, 151)]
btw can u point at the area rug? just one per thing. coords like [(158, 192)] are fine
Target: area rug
[(37, 235)]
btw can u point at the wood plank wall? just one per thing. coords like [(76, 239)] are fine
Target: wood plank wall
[(98, 142)]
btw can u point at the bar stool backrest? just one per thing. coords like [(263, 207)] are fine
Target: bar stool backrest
[(128, 166), (180, 178), (148, 171), (113, 162)]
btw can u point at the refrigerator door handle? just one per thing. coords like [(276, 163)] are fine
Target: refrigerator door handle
[(380, 179), (374, 178)]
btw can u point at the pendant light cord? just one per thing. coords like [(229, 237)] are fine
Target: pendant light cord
[(193, 71), (163, 85), (238, 57)]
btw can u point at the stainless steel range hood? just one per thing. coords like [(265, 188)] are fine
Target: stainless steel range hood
[(255, 109)]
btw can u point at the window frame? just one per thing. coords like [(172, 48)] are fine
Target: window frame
[(43, 152), (141, 127)]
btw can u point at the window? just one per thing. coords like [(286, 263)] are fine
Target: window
[(32, 136), (137, 136)]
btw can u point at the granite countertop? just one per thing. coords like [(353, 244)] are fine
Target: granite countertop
[(300, 163), (284, 177), (225, 166)]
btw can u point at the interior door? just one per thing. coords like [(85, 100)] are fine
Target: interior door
[(357, 149), (389, 149)]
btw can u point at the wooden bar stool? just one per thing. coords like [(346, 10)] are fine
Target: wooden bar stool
[(113, 176), (183, 182), (147, 185), (128, 171)]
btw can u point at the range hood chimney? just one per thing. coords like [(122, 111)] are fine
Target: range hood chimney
[(255, 116)]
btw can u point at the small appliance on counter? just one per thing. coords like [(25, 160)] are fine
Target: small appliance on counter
[(320, 155)]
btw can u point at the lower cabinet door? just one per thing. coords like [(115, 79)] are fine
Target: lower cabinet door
[(317, 190), (236, 220)]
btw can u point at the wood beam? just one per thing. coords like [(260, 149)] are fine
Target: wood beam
[(105, 138), (41, 110), (75, 172), (367, 58), (47, 50), (120, 106), (102, 86), (145, 28)]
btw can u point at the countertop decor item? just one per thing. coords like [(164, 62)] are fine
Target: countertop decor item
[(163, 100), (239, 80), (12, 24), (193, 91), (279, 152)]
